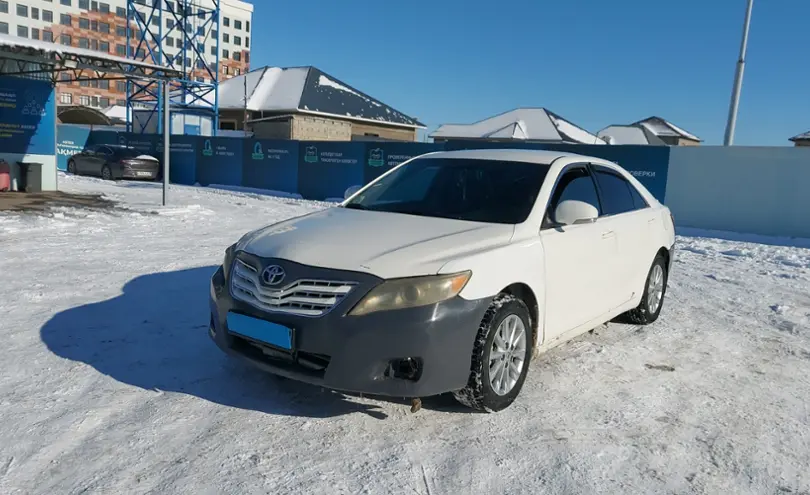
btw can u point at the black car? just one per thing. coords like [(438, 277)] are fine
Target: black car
[(112, 161)]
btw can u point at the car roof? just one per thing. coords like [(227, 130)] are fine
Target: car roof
[(540, 157)]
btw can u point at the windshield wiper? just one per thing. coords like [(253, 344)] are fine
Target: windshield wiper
[(356, 206)]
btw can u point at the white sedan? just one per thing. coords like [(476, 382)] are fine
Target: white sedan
[(446, 274)]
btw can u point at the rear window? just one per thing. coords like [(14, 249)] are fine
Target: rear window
[(492, 191)]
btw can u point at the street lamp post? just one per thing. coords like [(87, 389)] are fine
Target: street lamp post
[(735, 93)]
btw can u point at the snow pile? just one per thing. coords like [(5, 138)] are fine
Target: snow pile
[(109, 383)]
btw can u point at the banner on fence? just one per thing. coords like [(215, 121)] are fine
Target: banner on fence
[(383, 156), (270, 164), (70, 141), (27, 116), (327, 168), (219, 161)]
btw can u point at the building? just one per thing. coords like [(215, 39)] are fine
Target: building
[(801, 139), (521, 124), (630, 134), (668, 132), (102, 26), (305, 103)]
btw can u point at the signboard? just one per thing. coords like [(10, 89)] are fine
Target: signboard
[(327, 168), (70, 140), (270, 164), (183, 159), (383, 156), (27, 116), (219, 161)]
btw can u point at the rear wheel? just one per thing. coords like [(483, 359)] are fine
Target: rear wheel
[(652, 300), (106, 172), (501, 356), (71, 167)]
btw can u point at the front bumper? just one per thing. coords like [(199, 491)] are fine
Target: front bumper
[(355, 353)]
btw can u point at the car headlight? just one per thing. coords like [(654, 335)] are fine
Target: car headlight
[(228, 259), (411, 292)]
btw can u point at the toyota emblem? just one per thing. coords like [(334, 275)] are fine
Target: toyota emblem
[(273, 275)]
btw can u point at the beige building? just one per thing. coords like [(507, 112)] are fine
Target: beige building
[(305, 103), (668, 132)]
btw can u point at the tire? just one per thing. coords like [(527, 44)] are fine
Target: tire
[(71, 167), (106, 172), (648, 309), (480, 393)]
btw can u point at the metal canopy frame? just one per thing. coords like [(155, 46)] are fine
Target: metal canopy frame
[(48, 61)]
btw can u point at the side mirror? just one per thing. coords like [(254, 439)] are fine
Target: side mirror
[(350, 191), (573, 212)]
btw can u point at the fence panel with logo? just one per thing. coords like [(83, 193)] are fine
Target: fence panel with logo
[(70, 140), (183, 156), (270, 164), (327, 168), (219, 161), (383, 156)]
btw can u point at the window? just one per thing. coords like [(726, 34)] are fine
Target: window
[(214, 34), (94, 44), (64, 76), (22, 31), (200, 48), (34, 33), (200, 64), (3, 7), (94, 5), (170, 42), (178, 42), (224, 53), (121, 50), (104, 27), (247, 57), (226, 38), (199, 79), (65, 39), (104, 46), (237, 71), (104, 84), (247, 42), (105, 102), (237, 40), (492, 191), (225, 69), (617, 194), (121, 102), (169, 23), (120, 31), (84, 100), (84, 83), (213, 50), (64, 20), (66, 98), (121, 86), (188, 62), (575, 184), (94, 83), (155, 21), (47, 36), (200, 31), (95, 101), (84, 43), (247, 26), (84, 4), (22, 10), (104, 8), (84, 23), (226, 22), (65, 2), (237, 56), (47, 15), (121, 12), (237, 24), (35, 13), (94, 25)]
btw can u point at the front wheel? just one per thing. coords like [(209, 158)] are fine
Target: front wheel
[(106, 173), (501, 356), (71, 167), (652, 300)]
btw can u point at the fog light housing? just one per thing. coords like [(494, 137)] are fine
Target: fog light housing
[(408, 368)]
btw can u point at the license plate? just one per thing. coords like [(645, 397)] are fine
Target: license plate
[(143, 174), (261, 330)]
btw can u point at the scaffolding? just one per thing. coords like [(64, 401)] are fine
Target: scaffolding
[(161, 23)]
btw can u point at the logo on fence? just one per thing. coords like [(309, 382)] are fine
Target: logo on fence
[(122, 140), (33, 105), (311, 154), (207, 151), (376, 157), (258, 154)]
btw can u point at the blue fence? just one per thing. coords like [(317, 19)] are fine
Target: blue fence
[(324, 169)]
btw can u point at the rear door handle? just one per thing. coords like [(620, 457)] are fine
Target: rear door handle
[(652, 220), (608, 234)]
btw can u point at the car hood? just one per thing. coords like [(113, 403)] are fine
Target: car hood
[(387, 245)]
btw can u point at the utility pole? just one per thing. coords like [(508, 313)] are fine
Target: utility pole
[(245, 116), (735, 93)]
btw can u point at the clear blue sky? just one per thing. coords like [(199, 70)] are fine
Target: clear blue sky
[(594, 62)]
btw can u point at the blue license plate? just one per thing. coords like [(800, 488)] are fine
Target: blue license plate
[(261, 330)]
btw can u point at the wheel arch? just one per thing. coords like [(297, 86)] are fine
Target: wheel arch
[(526, 294)]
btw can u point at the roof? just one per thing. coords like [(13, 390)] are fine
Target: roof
[(630, 134), (306, 90), (23, 49), (541, 157), (801, 137), (524, 124), (80, 114), (661, 127)]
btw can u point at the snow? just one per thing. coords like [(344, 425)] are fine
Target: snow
[(325, 81), (574, 132), (109, 383), (271, 88)]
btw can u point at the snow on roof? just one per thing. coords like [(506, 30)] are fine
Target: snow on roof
[(529, 124), (801, 137), (630, 134), (661, 127), (309, 90), (47, 47)]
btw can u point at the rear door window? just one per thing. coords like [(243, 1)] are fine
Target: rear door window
[(615, 192)]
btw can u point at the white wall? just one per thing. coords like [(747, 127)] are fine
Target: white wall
[(48, 168), (755, 190)]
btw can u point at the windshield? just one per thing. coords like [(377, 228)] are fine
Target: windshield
[(492, 191)]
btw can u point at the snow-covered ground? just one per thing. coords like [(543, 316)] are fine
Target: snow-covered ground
[(109, 383)]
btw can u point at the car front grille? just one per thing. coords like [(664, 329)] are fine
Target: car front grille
[(303, 297)]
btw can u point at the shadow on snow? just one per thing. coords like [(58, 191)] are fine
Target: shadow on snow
[(155, 336)]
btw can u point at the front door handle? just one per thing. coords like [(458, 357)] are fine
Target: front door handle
[(608, 234)]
